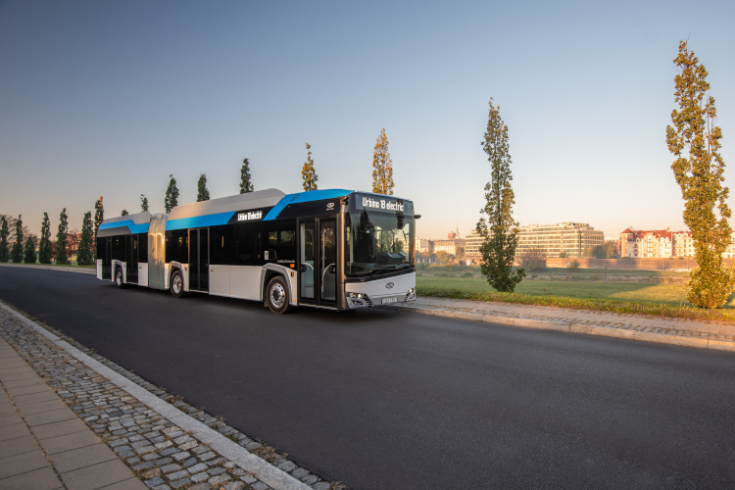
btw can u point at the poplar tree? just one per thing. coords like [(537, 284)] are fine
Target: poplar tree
[(499, 232), (99, 215), (308, 173), (44, 246), (202, 191), (699, 170), (172, 195), (84, 254), (4, 234), (246, 184), (382, 166), (17, 252), (61, 236), (30, 250), (143, 204)]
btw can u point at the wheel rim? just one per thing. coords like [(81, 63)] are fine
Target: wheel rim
[(177, 284), (278, 296)]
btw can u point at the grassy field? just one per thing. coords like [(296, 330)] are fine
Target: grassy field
[(660, 293), (654, 299)]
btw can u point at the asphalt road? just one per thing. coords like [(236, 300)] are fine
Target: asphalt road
[(391, 400)]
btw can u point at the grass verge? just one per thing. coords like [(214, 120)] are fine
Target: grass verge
[(659, 300)]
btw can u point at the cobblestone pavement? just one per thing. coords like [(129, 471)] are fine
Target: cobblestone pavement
[(162, 455), (659, 329)]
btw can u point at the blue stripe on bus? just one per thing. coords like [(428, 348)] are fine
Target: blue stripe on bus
[(304, 197), (129, 224), (200, 221)]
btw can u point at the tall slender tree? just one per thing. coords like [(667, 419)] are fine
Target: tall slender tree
[(4, 234), (499, 233), (143, 204), (699, 170), (99, 215), (17, 251), (84, 254), (382, 166), (61, 239), (45, 249), (308, 173), (172, 195), (30, 250), (246, 183), (124, 212), (202, 191)]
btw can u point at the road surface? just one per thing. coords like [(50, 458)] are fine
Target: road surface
[(390, 400)]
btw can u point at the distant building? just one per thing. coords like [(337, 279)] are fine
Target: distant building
[(570, 238), (647, 244), (615, 242), (425, 246)]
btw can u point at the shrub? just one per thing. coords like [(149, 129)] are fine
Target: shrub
[(534, 260), (573, 266)]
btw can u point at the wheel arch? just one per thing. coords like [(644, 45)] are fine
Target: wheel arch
[(269, 272)]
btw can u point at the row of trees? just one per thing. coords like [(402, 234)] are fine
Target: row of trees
[(693, 139), (382, 177), (20, 246)]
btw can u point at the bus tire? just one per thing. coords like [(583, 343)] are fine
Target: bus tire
[(177, 284), (119, 278), (277, 295)]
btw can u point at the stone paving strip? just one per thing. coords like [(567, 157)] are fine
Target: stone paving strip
[(165, 442), (649, 328), (43, 444)]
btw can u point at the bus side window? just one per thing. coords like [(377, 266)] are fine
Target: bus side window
[(143, 247), (177, 246), (220, 245), (248, 244)]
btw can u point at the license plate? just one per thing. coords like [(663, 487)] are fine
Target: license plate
[(392, 299)]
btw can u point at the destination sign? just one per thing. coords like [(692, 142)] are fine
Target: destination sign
[(382, 204), (250, 215)]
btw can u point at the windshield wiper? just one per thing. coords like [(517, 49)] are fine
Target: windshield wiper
[(389, 267)]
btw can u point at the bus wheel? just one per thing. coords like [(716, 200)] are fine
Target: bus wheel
[(177, 284), (119, 278), (277, 295)]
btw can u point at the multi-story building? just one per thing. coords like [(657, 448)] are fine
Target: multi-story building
[(570, 238), (684, 246), (647, 244), (450, 246), (472, 244), (425, 246), (615, 242)]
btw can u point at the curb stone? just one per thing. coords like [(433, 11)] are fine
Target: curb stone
[(191, 435), (566, 326)]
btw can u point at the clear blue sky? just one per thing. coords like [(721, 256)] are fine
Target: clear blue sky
[(109, 98)]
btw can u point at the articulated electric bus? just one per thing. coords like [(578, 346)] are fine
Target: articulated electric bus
[(335, 249)]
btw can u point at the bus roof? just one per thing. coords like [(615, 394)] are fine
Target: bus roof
[(219, 211)]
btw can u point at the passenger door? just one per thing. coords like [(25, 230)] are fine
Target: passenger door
[(199, 260), (318, 261), (328, 261)]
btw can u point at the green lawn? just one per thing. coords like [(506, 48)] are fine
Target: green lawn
[(668, 299)]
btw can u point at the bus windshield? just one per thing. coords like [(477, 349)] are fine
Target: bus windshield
[(378, 243)]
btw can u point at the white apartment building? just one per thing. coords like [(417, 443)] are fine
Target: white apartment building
[(570, 238)]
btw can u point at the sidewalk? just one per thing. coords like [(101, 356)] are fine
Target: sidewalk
[(43, 444), (648, 328), (69, 418)]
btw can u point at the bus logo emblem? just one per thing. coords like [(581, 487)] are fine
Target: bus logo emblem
[(330, 206), (389, 285)]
